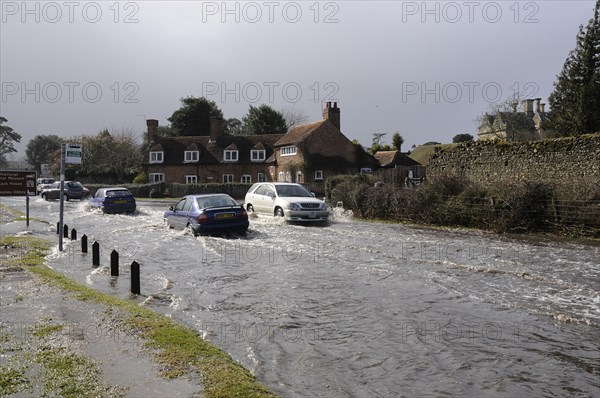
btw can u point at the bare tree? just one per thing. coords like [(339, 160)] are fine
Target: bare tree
[(293, 117), (503, 120)]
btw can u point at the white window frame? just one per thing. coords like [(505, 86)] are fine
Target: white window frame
[(230, 155), (261, 177), (227, 178), (156, 177), (191, 156), (289, 150), (281, 176), (157, 156), (191, 179), (298, 177), (246, 179), (258, 155), (319, 175)]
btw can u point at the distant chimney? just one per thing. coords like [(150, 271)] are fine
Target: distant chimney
[(542, 108), (216, 126), (152, 125), (537, 105), (528, 107), (332, 113)]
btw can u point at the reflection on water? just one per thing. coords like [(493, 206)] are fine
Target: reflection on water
[(364, 309)]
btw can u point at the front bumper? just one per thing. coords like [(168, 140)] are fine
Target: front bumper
[(306, 215)]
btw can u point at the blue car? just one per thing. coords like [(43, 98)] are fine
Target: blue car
[(207, 214), (113, 200)]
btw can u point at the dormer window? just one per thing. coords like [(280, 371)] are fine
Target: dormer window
[(288, 150), (258, 155), (230, 155), (191, 156), (156, 157)]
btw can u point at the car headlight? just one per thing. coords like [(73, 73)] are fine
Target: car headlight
[(293, 206), (324, 206)]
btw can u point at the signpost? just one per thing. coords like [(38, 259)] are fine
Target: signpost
[(18, 183), (69, 153)]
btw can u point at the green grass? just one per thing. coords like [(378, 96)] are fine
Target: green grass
[(180, 350), (12, 380)]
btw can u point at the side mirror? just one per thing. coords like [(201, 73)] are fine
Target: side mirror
[(313, 194), (171, 208)]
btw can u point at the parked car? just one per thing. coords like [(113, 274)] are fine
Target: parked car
[(113, 200), (206, 214), (72, 190), (288, 200), (43, 183)]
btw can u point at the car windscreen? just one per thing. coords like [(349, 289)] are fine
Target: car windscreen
[(119, 192), (216, 201), (292, 191)]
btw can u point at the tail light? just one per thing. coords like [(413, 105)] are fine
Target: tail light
[(202, 218), (244, 215)]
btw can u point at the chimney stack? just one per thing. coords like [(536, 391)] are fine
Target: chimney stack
[(542, 108), (216, 126), (152, 125), (528, 107), (537, 105), (332, 113)]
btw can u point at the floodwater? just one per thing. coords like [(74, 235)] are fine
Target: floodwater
[(358, 309)]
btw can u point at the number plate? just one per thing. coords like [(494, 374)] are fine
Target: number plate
[(224, 216), (120, 202), (312, 214)]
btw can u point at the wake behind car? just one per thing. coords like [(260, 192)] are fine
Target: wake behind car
[(113, 200), (72, 190), (207, 214), (288, 200)]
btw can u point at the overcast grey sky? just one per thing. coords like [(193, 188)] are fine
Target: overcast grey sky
[(425, 69)]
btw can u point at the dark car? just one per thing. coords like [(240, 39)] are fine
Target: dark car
[(207, 214), (72, 190), (113, 200)]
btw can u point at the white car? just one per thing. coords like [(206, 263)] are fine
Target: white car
[(43, 183), (284, 199)]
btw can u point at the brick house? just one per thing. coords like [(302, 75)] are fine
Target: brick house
[(306, 153), (315, 151)]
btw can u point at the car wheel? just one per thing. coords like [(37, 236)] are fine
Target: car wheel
[(250, 208), (44, 197), (190, 230), (278, 212), (67, 198)]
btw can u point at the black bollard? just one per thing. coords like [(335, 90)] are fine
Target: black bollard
[(114, 263), (135, 278), (73, 234), (66, 231), (84, 243), (96, 254)]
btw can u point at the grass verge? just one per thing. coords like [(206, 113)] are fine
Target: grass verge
[(180, 350)]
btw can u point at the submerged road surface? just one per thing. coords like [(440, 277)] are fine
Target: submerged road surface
[(358, 309)]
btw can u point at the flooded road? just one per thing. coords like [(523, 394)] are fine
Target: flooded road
[(359, 309)]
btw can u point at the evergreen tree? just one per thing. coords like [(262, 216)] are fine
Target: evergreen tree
[(263, 120), (193, 118), (575, 101)]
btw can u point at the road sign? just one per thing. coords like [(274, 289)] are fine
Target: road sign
[(17, 183), (73, 153)]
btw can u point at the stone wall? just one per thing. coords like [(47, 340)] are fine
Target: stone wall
[(562, 160)]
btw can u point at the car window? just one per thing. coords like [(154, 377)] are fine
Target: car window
[(292, 191), (100, 194), (262, 190), (188, 204), (179, 205), (118, 192)]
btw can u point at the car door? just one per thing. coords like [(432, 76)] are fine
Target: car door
[(176, 218)]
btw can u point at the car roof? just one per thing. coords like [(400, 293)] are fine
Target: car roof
[(206, 195)]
